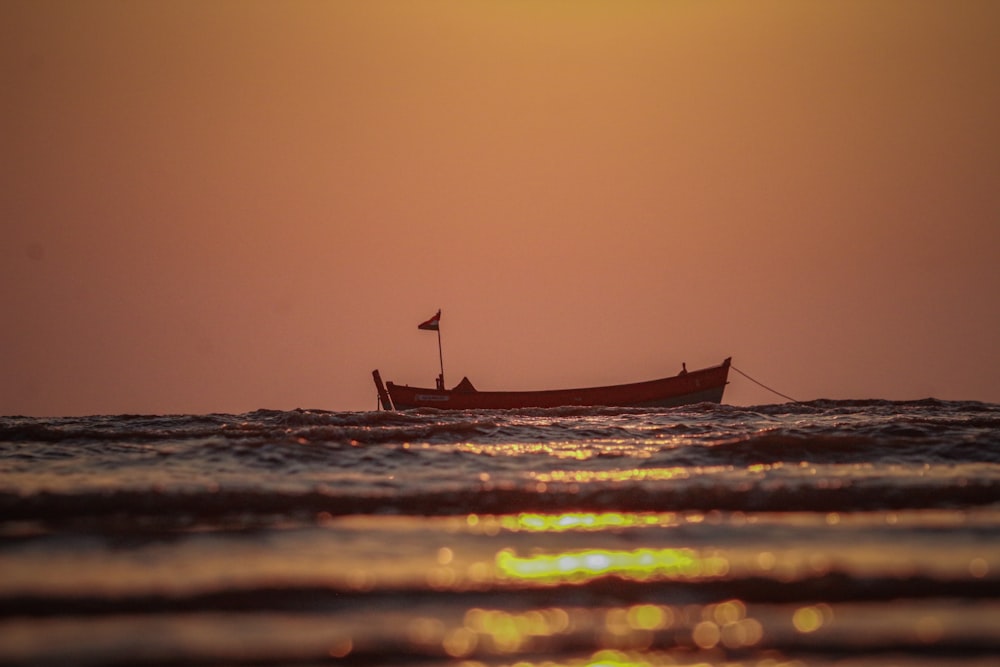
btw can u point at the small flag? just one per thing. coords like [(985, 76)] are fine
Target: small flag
[(431, 324)]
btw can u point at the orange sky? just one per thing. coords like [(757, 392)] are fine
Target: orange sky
[(220, 206)]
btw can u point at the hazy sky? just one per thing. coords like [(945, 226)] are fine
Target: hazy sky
[(213, 206)]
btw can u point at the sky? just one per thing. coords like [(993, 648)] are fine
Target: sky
[(237, 204)]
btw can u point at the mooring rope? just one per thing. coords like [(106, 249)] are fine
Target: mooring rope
[(773, 391)]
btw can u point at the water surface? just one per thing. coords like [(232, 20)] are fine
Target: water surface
[(831, 532)]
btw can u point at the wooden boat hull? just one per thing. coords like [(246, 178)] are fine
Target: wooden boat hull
[(699, 386)]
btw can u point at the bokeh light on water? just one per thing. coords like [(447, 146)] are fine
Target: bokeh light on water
[(640, 627)]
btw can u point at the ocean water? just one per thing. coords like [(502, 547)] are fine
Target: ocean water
[(821, 533)]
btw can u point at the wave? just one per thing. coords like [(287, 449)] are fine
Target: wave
[(891, 454), (831, 587), (638, 491), (873, 418), (831, 619), (872, 445)]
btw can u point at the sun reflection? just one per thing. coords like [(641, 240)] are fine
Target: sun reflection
[(626, 475), (532, 522), (649, 617), (559, 450), (810, 619), (630, 447), (619, 631), (507, 632), (640, 564), (556, 523)]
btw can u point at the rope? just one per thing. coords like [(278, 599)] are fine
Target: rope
[(764, 385)]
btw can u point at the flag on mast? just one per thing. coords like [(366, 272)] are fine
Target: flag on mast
[(431, 324)]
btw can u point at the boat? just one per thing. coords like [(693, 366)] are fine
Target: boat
[(705, 385)]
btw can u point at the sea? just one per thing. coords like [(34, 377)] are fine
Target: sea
[(821, 533)]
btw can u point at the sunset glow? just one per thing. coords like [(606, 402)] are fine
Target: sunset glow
[(226, 206)]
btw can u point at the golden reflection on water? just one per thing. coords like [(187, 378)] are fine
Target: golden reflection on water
[(627, 474), (616, 630), (557, 523), (638, 564), (812, 618), (646, 633), (565, 450), (507, 632)]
